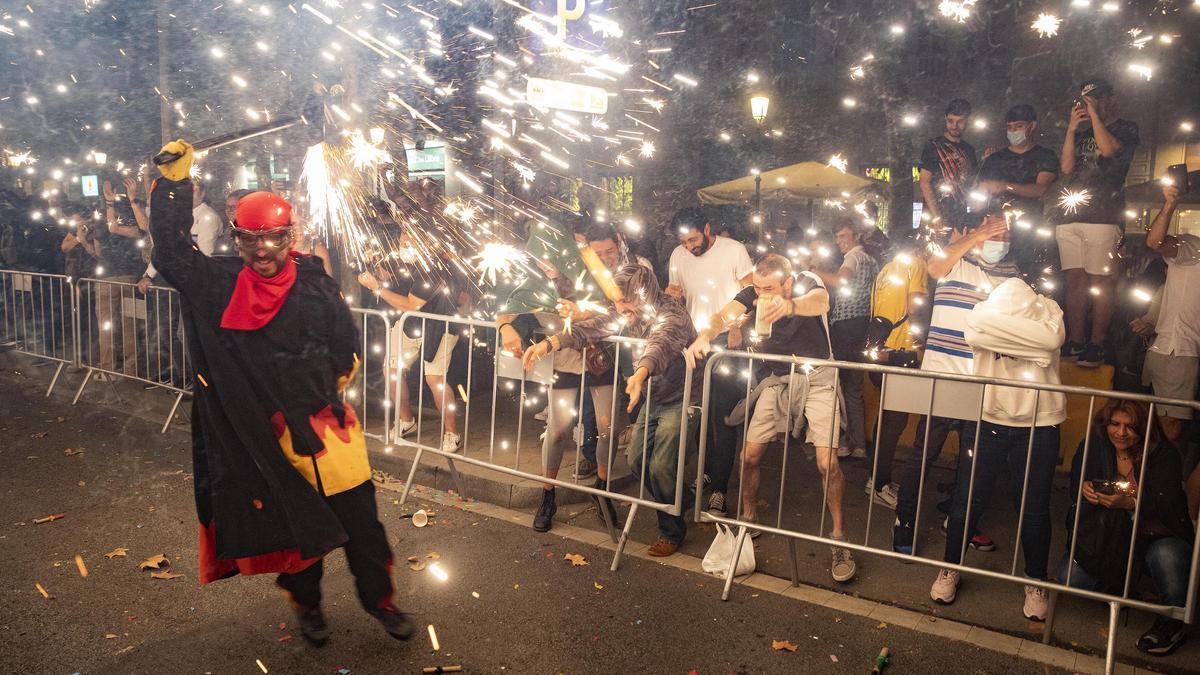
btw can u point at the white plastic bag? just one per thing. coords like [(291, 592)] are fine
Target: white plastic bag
[(720, 554)]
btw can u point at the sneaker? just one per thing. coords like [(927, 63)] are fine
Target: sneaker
[(586, 468), (451, 442), (1164, 636), (885, 497), (405, 427), (858, 453), (902, 537), (542, 415), (844, 452), (751, 532), (663, 548), (1037, 603), (842, 566), (716, 503), (398, 624), (1091, 357), (982, 543), (312, 625), (544, 518), (1071, 350), (945, 587)]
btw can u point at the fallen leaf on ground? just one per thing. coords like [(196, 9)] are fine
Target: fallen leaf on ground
[(412, 558), (154, 562), (435, 556), (417, 567), (597, 585), (60, 419), (72, 451), (48, 519), (83, 571), (42, 590), (82, 483), (165, 575), (118, 552), (110, 636), (576, 559), (881, 625), (782, 645), (40, 434)]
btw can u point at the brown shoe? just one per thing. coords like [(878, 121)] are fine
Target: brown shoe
[(663, 548)]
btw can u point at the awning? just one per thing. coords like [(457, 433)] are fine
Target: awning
[(803, 181)]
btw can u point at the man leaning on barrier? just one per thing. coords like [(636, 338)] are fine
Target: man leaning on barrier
[(794, 308), (281, 471), (664, 323), (1015, 334)]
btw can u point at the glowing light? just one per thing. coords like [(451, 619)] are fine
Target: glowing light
[(1071, 200), (959, 10), (1046, 25), (497, 259), (838, 162), (849, 102), (647, 149), (1141, 69)]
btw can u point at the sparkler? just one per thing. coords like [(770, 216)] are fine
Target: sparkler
[(1071, 200), (1046, 25), (959, 10), (498, 260), (838, 162)]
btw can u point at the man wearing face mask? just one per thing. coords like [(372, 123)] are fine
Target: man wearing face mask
[(1018, 176), (971, 265)]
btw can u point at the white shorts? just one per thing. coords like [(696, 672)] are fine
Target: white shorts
[(1171, 376), (818, 416), (1090, 246), (406, 350)]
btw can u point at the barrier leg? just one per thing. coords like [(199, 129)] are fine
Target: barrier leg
[(54, 380), (412, 474), (624, 537), (1048, 631), (737, 553), (171, 415), (1110, 653), (455, 477), (87, 377), (795, 562)]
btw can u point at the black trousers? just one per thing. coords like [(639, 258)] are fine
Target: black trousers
[(367, 552)]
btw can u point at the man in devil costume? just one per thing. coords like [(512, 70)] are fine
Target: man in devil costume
[(280, 462)]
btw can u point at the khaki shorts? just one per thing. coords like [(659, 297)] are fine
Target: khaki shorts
[(818, 416), (406, 350), (1089, 246), (1172, 377)]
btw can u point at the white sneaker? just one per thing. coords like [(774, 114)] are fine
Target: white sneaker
[(945, 587), (405, 427), (843, 452), (858, 453), (1037, 603), (451, 442), (842, 566), (885, 497)]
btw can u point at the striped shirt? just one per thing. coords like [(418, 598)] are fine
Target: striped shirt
[(957, 293)]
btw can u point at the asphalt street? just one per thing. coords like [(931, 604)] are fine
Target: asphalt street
[(511, 603)]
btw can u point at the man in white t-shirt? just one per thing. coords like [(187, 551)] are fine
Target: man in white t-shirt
[(1172, 362), (206, 229), (706, 272), (966, 271)]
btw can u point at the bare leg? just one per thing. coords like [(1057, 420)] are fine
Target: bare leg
[(1102, 305), (403, 404), (752, 454), (1077, 303), (831, 473), (444, 399)]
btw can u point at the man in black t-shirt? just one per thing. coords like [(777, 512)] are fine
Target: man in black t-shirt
[(1097, 151), (794, 307), (1015, 178), (948, 166)]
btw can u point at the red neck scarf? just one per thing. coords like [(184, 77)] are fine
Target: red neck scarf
[(256, 299)]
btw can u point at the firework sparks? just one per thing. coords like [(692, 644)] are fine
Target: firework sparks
[(1071, 200), (497, 260), (838, 162), (1046, 25), (959, 10)]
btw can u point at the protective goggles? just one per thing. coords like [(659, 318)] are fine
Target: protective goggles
[(252, 240)]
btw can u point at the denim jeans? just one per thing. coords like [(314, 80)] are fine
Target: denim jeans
[(661, 425), (910, 469), (1167, 560), (848, 337), (725, 393), (1004, 448)]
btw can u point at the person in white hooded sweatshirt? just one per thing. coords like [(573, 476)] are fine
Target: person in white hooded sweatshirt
[(1015, 334)]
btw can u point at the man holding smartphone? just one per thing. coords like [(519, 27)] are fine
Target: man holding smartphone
[(1096, 154)]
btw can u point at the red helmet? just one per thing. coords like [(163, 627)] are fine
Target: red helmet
[(263, 211)]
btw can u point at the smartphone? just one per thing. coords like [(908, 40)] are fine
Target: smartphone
[(1105, 487), (1177, 174)]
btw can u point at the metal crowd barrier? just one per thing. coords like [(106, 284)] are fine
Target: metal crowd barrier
[(519, 391), (372, 384), (958, 397), (124, 333), (36, 317)]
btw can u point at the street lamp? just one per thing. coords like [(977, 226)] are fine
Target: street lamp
[(758, 107), (100, 157)]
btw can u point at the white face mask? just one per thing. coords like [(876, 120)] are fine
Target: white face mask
[(1017, 138), (993, 252)]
